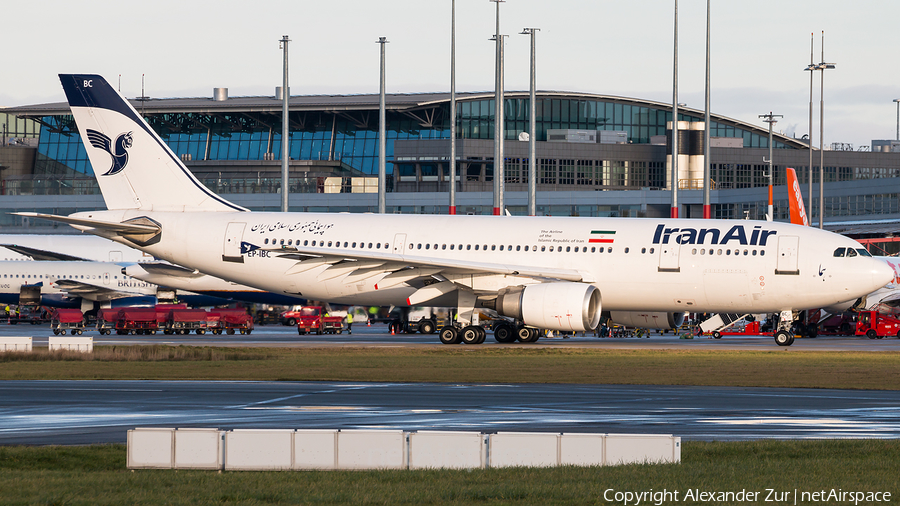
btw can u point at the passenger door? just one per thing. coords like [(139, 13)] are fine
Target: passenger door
[(231, 249), (788, 255)]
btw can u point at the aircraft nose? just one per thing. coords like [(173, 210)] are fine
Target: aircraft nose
[(882, 273)]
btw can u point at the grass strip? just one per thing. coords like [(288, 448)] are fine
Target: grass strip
[(777, 368), (96, 475)]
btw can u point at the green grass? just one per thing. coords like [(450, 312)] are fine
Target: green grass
[(97, 475), (776, 368)]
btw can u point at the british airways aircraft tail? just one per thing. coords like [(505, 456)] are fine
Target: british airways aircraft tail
[(134, 167)]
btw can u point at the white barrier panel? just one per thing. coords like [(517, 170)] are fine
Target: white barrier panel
[(582, 449), (371, 449), (639, 448), (15, 344), (199, 449), (315, 449), (72, 343), (150, 448), (258, 450), (530, 449), (446, 450)]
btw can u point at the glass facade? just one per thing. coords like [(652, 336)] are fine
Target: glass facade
[(353, 137)]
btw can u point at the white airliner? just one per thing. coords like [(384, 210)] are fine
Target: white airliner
[(72, 284), (195, 287), (67, 247), (546, 272)]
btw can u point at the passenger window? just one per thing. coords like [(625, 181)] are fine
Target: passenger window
[(745, 252), (694, 251), (476, 247), (493, 247), (378, 246), (543, 249), (609, 250), (568, 249), (443, 246), (754, 252), (501, 247), (468, 247), (593, 249), (839, 252), (354, 245), (519, 248), (427, 246), (451, 247), (762, 252), (626, 250), (370, 245)]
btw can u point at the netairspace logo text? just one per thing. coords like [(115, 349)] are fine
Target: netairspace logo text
[(769, 495)]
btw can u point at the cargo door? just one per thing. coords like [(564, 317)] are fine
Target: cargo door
[(669, 260), (231, 249), (788, 255)]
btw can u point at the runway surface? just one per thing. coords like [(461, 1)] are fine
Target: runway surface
[(377, 336), (83, 412)]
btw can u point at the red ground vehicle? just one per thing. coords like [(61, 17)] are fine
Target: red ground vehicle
[(748, 329), (67, 319), (106, 320), (136, 320), (312, 319), (229, 320), (183, 321), (875, 325)]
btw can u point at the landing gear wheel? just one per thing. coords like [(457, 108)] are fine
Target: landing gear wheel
[(783, 338), (717, 335), (449, 335), (426, 327), (504, 333), (871, 334), (470, 334), (482, 334)]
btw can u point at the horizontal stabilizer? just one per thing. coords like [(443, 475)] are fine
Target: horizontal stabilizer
[(121, 228)]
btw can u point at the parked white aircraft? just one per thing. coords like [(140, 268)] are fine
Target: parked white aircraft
[(548, 272), (72, 284), (67, 247), (136, 264)]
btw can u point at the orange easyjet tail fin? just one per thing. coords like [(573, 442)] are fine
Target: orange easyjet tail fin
[(795, 199)]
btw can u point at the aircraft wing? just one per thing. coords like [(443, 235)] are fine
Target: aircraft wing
[(360, 265), (78, 288), (42, 255)]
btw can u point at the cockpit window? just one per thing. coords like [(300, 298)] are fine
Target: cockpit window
[(850, 252), (863, 252), (839, 252)]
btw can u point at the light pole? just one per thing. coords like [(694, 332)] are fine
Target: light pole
[(498, 116), (811, 69), (674, 210), (707, 208), (770, 119), (382, 159), (285, 134), (897, 100), (822, 67), (532, 127), (452, 107)]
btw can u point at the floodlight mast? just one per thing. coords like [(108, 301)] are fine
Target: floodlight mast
[(770, 119), (285, 133), (532, 127)]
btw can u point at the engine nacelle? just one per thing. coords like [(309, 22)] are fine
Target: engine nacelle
[(554, 306), (647, 320)]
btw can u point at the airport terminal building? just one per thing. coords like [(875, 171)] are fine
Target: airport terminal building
[(596, 155)]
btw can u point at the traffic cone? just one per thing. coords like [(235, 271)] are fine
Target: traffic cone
[(368, 323), (392, 331)]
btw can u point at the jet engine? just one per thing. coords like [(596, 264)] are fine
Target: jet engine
[(647, 320), (554, 306)]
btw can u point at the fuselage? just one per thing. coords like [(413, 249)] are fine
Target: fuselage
[(638, 264)]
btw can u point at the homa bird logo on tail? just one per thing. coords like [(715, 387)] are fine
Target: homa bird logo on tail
[(119, 156)]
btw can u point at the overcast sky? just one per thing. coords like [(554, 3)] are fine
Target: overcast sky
[(614, 47)]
